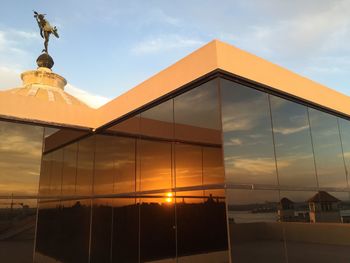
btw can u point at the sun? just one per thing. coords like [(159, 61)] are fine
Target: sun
[(169, 198)]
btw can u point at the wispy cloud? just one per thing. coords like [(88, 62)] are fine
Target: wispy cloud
[(286, 131), (93, 100), (165, 43), (10, 77), (257, 166)]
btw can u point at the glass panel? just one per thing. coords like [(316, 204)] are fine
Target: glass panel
[(295, 160), (56, 138), (69, 169), (158, 121), (104, 165), (125, 230), (327, 147), (20, 157), (125, 210), (49, 232), (85, 164), (157, 228), (248, 145), (188, 163), (155, 165), (201, 227), (213, 166), (45, 175), (129, 126), (56, 175), (254, 229), (312, 225), (101, 235), (125, 167), (197, 116), (157, 212), (344, 126), (20, 160), (75, 231)]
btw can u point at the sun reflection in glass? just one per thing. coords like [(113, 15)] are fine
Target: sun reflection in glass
[(169, 198)]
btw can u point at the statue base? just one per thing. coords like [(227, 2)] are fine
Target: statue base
[(45, 61)]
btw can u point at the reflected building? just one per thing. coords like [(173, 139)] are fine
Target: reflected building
[(222, 157), (324, 208)]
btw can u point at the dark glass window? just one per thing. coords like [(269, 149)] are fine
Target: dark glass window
[(105, 164), (188, 165), (327, 147), (56, 173), (344, 126), (85, 162), (45, 175), (129, 126), (201, 227), (213, 166), (125, 230), (101, 230), (125, 210), (295, 160), (157, 212), (125, 166), (247, 133), (20, 157), (49, 235), (75, 222), (158, 121), (197, 115), (155, 165), (69, 171)]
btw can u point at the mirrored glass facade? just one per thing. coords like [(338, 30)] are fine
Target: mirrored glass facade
[(286, 171), (222, 172), (148, 189), (20, 157)]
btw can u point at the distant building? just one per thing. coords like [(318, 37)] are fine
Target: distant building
[(324, 208), (286, 211)]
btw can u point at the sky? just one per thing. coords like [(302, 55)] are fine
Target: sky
[(106, 47)]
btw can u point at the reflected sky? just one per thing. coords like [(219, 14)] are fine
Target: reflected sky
[(20, 157), (155, 165), (295, 161), (248, 147), (199, 107), (328, 151)]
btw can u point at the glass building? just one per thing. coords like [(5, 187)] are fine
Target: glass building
[(222, 157)]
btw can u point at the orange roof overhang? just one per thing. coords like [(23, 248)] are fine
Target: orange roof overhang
[(215, 55)]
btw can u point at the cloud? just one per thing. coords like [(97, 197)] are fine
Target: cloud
[(286, 131), (13, 41), (234, 142), (165, 43), (10, 77), (253, 166), (14, 57), (93, 100)]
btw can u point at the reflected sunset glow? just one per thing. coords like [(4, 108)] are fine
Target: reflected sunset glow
[(169, 198)]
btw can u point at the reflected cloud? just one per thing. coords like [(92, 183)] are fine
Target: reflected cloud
[(287, 131), (257, 166), (234, 142), (20, 156)]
